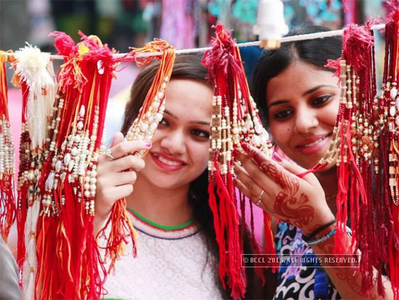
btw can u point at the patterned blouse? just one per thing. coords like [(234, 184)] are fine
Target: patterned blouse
[(300, 275)]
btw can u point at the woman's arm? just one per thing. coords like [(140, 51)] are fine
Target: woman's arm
[(301, 202), (346, 280)]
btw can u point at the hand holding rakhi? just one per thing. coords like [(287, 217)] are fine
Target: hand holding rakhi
[(276, 189), (117, 172)]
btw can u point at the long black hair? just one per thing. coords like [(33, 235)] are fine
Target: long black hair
[(315, 52), (188, 66)]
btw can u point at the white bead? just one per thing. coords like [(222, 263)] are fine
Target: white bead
[(82, 111), (393, 92), (256, 140), (58, 166), (144, 127), (67, 159), (258, 129), (31, 175), (158, 117), (392, 111), (70, 165)]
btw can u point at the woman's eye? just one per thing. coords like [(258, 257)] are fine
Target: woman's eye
[(200, 133), (163, 122), (281, 115), (321, 100)]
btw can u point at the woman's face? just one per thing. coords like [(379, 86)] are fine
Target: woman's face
[(179, 152), (303, 104)]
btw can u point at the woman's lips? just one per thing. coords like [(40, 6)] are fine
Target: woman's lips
[(315, 145), (167, 163)]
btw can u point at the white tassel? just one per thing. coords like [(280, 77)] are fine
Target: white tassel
[(36, 69), (30, 264)]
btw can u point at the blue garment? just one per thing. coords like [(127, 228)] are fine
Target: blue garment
[(300, 275)]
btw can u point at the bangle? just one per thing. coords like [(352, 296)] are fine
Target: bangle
[(326, 237), (317, 231)]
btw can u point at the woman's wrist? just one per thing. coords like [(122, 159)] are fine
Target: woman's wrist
[(319, 231), (320, 221)]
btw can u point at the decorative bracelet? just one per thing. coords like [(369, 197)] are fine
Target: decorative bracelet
[(326, 237), (317, 231)]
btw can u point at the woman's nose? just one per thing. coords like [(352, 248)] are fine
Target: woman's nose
[(173, 142), (305, 121)]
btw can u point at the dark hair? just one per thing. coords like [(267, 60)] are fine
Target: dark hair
[(187, 66), (272, 63)]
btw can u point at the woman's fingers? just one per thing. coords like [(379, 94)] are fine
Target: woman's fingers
[(252, 189), (124, 148), (115, 193), (126, 163), (128, 177)]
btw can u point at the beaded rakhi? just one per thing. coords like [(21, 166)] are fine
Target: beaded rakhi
[(234, 121), (35, 75), (57, 176), (143, 128), (7, 184), (367, 156)]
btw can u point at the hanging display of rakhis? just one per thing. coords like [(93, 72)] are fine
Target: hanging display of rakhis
[(366, 156), (387, 167), (358, 144), (57, 176), (35, 75), (7, 184), (143, 128), (234, 121)]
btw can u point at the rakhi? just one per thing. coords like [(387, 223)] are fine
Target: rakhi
[(366, 163), (357, 143), (7, 169), (63, 176), (34, 74), (143, 128), (386, 159), (234, 121)]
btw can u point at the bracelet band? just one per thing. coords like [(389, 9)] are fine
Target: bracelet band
[(326, 237), (317, 231)]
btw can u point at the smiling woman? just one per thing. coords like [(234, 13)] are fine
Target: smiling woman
[(166, 193)]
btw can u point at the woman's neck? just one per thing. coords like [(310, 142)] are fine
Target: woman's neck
[(162, 206), (329, 181)]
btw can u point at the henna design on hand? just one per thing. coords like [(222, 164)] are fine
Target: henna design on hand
[(289, 205)]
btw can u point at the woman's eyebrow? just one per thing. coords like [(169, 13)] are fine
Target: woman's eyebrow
[(206, 123), (201, 123), (316, 88), (278, 102)]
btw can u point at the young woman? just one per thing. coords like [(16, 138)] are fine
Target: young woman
[(299, 99), (166, 192)]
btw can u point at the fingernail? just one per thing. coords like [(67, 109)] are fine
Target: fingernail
[(148, 144), (277, 157), (235, 152), (246, 147)]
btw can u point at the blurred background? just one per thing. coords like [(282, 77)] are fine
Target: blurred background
[(183, 23)]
